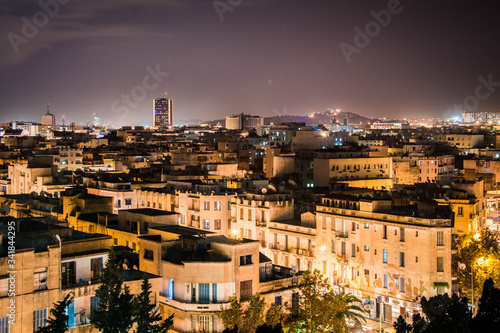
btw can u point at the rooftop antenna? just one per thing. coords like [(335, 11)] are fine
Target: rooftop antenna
[(48, 105)]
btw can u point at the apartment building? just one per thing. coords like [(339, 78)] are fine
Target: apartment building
[(361, 168), (418, 168), (205, 207), (388, 252), (202, 271)]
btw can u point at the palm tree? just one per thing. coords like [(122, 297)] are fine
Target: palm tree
[(348, 311)]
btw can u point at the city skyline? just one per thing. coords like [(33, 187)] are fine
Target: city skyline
[(377, 58)]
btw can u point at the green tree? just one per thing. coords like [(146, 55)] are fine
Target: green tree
[(274, 315), (401, 326), (246, 320), (319, 309), (487, 318), (149, 321), (114, 312), (446, 314), (253, 315), (232, 317), (58, 321), (477, 259)]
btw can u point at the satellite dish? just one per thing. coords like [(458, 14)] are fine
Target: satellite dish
[(5, 210), (271, 187), (295, 270), (291, 182), (264, 190)]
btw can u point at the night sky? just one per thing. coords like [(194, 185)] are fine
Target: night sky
[(265, 57)]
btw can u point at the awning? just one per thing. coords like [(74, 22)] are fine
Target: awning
[(441, 284)]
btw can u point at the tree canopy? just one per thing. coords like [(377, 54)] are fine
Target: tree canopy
[(319, 309), (114, 312), (148, 321), (477, 259), (58, 320)]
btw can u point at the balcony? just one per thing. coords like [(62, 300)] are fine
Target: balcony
[(262, 224), (342, 234), (193, 306)]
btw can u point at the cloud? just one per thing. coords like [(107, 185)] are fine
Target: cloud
[(75, 21)]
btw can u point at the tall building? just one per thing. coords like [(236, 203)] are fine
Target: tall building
[(48, 118), (242, 121), (162, 112)]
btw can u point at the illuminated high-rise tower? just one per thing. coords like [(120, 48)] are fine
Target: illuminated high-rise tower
[(48, 118), (162, 112)]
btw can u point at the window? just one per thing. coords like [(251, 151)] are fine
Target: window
[(96, 268), (324, 222), (128, 202), (246, 289), (353, 226), (217, 205), (367, 248), (385, 280), (384, 257), (401, 259), (353, 250), (207, 205), (295, 301), (204, 323), (333, 246), (246, 260), (94, 305), (277, 300), (460, 211), (241, 213), (40, 279), (440, 235), (401, 234), (217, 224), (375, 229), (384, 236), (119, 204), (148, 254), (440, 264), (171, 289), (416, 259), (4, 324), (204, 293), (367, 226), (206, 224), (214, 292), (416, 233), (39, 318), (402, 285)]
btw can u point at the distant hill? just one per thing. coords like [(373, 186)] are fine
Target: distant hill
[(353, 119)]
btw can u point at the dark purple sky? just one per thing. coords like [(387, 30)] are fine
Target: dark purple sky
[(265, 57)]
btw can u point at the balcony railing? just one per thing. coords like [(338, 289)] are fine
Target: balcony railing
[(342, 234)]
